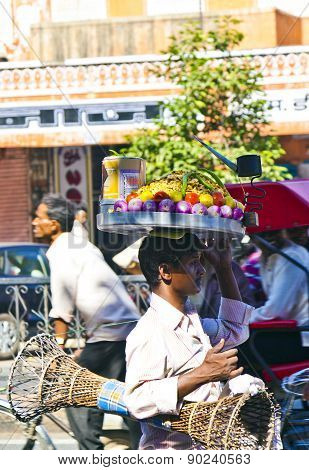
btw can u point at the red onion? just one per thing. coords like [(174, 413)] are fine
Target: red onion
[(166, 205), (237, 213), (135, 205), (226, 212), (215, 211), (120, 206), (199, 208), (149, 206), (183, 207)]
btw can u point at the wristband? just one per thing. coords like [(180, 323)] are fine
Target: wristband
[(60, 341)]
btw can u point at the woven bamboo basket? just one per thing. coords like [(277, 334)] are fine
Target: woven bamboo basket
[(44, 379)]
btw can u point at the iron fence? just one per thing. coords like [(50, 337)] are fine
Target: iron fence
[(25, 305)]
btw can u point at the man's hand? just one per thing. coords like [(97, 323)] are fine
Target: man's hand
[(219, 365), (61, 331), (216, 366), (219, 255), (76, 354), (218, 252)]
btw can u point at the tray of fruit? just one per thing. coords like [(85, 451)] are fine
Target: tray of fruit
[(195, 201)]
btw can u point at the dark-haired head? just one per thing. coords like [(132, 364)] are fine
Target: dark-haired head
[(60, 209), (173, 263), (54, 215), (273, 237), (81, 213)]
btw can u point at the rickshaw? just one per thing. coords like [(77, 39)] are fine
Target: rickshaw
[(282, 205)]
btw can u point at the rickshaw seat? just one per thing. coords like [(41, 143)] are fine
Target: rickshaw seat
[(276, 323), (283, 370)]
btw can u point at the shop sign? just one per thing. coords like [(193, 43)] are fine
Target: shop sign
[(73, 173), (288, 105)]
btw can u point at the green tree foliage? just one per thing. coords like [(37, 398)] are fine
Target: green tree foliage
[(220, 99)]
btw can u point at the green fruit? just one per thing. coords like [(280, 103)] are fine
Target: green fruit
[(229, 201), (206, 200), (240, 205), (176, 196), (146, 196)]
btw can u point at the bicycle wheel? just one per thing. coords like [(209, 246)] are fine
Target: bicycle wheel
[(295, 383), (15, 435), (295, 433), (9, 337)]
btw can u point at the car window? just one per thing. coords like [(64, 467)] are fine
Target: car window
[(45, 262), (25, 261)]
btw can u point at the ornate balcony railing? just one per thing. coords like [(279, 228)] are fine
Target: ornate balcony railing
[(91, 75), (23, 315)]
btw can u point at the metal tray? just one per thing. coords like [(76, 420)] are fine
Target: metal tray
[(142, 223)]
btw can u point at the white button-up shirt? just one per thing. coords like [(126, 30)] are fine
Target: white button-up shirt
[(165, 344), (81, 278), (286, 287)]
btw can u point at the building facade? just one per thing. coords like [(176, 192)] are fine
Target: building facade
[(61, 111)]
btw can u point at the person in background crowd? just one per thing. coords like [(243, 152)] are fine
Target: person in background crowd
[(138, 290), (284, 284), (80, 226), (299, 235), (286, 288), (81, 279), (251, 269), (127, 259)]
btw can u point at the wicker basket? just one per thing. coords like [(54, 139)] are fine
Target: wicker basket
[(238, 422), (44, 379)]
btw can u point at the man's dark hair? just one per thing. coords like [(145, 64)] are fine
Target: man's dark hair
[(60, 209), (81, 207), (157, 250), (275, 237)]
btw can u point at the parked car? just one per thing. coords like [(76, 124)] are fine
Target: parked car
[(21, 264)]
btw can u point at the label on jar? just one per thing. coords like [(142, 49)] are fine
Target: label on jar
[(129, 181), (111, 188)]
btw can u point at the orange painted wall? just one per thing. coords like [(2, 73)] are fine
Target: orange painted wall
[(289, 29), (213, 5), (305, 30), (297, 148), (126, 8)]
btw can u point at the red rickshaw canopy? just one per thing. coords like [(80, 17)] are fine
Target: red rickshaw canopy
[(285, 205)]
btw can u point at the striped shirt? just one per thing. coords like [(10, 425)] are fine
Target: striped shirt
[(167, 343)]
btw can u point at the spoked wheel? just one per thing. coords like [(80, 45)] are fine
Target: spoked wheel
[(15, 435), (295, 435), (9, 336), (295, 432)]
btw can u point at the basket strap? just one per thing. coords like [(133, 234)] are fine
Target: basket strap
[(213, 415), (191, 417), (74, 377), (42, 378), (239, 404)]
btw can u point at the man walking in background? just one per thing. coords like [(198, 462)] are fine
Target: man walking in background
[(81, 279)]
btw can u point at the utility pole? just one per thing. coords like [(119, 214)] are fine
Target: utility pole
[(201, 14)]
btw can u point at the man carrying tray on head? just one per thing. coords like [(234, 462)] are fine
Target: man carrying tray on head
[(172, 355)]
